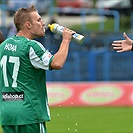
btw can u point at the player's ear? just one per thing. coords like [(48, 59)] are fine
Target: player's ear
[(28, 24)]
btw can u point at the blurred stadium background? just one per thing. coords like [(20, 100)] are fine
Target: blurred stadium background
[(93, 61)]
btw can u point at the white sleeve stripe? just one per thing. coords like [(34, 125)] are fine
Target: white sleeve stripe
[(37, 62)]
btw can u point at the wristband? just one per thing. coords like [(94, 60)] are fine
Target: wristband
[(132, 47)]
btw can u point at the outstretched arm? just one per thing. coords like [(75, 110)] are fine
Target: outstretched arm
[(123, 45)]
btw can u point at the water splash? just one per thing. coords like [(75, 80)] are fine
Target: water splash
[(75, 130)]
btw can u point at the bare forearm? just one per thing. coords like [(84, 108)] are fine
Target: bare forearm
[(61, 56)]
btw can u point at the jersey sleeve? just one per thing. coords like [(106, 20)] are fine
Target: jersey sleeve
[(40, 57)]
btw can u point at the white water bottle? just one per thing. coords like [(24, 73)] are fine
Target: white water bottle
[(56, 28)]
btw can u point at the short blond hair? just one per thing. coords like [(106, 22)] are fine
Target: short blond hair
[(22, 15)]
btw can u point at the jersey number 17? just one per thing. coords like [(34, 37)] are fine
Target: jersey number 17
[(3, 63)]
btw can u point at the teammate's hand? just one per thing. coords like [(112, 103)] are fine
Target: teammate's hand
[(123, 45)]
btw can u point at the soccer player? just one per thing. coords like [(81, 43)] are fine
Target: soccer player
[(123, 45), (23, 62)]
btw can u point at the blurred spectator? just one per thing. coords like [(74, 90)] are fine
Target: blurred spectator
[(12, 30), (1, 37), (52, 20), (48, 32)]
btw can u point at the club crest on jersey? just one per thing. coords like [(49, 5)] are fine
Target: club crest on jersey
[(10, 47)]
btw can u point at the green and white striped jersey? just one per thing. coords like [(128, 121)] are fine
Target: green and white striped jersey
[(23, 81)]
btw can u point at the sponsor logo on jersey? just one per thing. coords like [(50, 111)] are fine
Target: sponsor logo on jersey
[(12, 96)]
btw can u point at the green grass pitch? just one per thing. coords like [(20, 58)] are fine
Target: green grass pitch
[(90, 120)]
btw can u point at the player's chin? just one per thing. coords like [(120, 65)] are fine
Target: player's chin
[(41, 34)]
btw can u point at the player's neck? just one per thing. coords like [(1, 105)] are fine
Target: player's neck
[(24, 34)]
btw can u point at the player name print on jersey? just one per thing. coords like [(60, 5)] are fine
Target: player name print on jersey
[(10, 47)]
